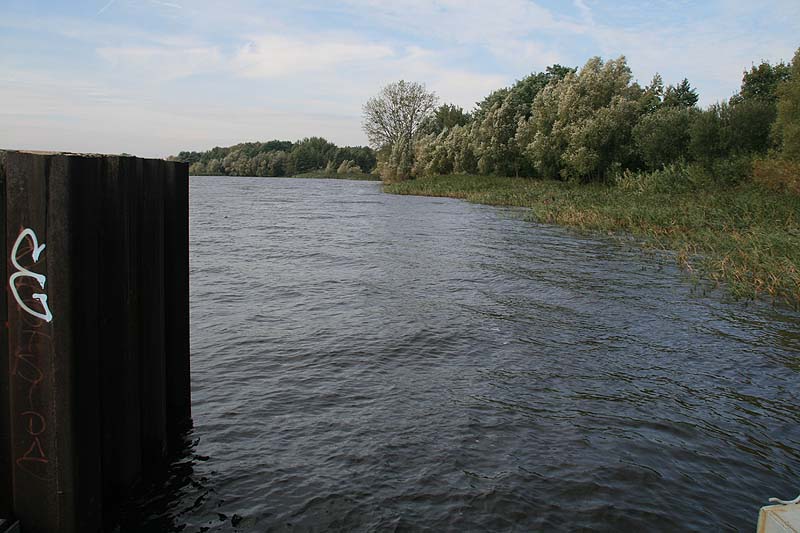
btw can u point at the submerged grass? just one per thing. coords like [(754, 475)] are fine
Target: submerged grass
[(744, 235)]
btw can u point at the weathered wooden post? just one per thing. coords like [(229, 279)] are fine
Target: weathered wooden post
[(90, 348), (176, 272), (151, 286), (120, 409), (5, 430), (51, 229)]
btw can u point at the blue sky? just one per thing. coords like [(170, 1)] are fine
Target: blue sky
[(153, 77)]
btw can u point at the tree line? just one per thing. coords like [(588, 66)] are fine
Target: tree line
[(280, 158), (594, 123)]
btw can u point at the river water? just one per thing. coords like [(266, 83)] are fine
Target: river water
[(371, 362)]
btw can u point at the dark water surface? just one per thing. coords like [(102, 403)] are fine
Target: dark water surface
[(369, 362)]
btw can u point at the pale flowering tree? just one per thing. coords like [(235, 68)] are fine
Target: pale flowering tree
[(392, 119), (460, 146), (581, 127)]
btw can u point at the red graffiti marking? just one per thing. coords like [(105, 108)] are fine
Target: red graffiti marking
[(29, 369)]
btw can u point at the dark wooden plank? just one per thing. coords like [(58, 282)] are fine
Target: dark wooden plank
[(120, 415), (127, 441), (176, 271), (79, 363), (130, 441), (36, 458), (54, 378), (5, 431), (112, 333), (151, 286)]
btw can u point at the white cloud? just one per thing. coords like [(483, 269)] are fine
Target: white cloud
[(459, 21), (712, 58), (163, 62), (265, 74), (274, 55), (585, 11)]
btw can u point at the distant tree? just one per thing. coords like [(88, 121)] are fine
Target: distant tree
[(278, 163), (312, 153), (653, 95), (363, 156), (681, 95), (397, 112), (215, 168), (445, 117), (348, 167), (188, 157), (724, 130), (705, 135), (461, 148), (275, 158), (761, 82), (787, 124), (662, 137), (494, 99), (525, 90), (260, 164), (197, 169), (392, 119), (395, 163), (747, 125), (581, 127), (495, 142), (276, 145)]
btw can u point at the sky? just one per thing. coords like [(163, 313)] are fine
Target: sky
[(155, 77)]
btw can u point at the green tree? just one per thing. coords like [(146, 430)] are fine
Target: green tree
[(215, 168), (724, 130), (445, 117), (681, 95), (461, 146), (392, 119), (761, 82), (653, 94), (489, 102), (278, 163), (495, 142), (662, 137), (197, 169), (363, 156), (348, 167), (705, 135), (397, 112), (746, 126), (312, 153), (581, 127), (787, 124)]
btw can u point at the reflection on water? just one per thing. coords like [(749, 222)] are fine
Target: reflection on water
[(372, 362)]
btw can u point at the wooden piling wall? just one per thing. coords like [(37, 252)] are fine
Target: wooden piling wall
[(94, 352)]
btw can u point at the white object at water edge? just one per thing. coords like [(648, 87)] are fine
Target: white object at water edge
[(779, 519)]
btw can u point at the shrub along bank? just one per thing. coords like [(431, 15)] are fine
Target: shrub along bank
[(591, 148)]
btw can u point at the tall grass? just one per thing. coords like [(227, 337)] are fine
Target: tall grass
[(724, 228)]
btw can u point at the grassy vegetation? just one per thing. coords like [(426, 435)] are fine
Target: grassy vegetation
[(743, 235), (334, 175)]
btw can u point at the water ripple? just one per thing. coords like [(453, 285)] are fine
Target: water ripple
[(366, 362)]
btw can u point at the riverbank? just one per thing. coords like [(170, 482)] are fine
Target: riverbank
[(333, 175), (743, 236)]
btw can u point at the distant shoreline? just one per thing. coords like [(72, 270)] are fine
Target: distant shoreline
[(315, 174)]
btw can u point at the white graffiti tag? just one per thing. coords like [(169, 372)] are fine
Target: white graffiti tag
[(23, 272)]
